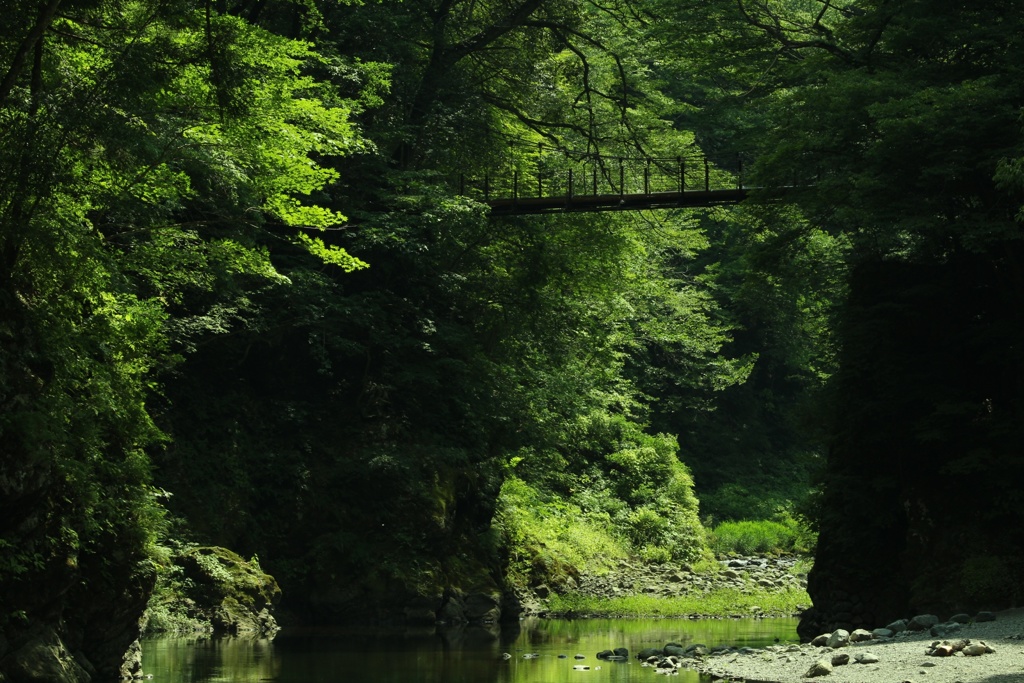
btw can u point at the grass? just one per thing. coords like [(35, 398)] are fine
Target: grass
[(725, 602)]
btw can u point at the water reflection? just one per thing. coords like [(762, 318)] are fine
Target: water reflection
[(455, 655)]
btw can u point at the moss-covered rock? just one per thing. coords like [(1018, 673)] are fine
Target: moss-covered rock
[(213, 589)]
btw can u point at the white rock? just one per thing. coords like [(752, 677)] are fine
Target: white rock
[(822, 667), (839, 638), (860, 635), (976, 649)]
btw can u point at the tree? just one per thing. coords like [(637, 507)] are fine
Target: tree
[(143, 149), (895, 125)]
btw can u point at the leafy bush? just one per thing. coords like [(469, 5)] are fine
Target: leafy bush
[(748, 537), (548, 538), (655, 554), (646, 527), (615, 491)]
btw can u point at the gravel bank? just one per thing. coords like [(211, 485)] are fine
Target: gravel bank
[(630, 578), (900, 659)]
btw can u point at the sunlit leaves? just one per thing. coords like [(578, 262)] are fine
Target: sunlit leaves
[(331, 254), (148, 154)]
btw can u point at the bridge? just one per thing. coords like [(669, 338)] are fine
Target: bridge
[(568, 182)]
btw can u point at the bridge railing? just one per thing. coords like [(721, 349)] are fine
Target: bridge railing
[(589, 175)]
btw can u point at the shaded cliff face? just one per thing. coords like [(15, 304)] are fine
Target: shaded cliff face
[(75, 511), (68, 616), (919, 511)]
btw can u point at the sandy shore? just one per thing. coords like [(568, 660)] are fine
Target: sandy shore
[(900, 659)]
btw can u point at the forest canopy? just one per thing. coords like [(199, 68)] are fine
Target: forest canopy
[(247, 298)]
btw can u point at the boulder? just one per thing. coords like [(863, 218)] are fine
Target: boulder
[(840, 659), (234, 595), (45, 659), (822, 667), (984, 616), (898, 626), (977, 649), (944, 648), (961, 618), (882, 633), (483, 608), (922, 622), (866, 658), (860, 635), (943, 630), (838, 638), (131, 667), (452, 612)]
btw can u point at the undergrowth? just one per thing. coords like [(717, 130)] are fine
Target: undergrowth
[(723, 602), (781, 535)]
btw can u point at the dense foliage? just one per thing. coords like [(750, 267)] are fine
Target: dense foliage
[(145, 149), (244, 300)]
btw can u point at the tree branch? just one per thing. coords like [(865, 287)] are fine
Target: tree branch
[(46, 16)]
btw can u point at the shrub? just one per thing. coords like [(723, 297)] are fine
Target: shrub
[(655, 554), (646, 527), (545, 534), (755, 537)]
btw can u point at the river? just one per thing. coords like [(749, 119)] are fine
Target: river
[(465, 655)]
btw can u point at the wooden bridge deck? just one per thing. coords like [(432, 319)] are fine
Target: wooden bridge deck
[(616, 202), (560, 182)]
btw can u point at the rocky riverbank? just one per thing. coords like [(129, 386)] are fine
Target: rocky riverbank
[(746, 575), (985, 648)]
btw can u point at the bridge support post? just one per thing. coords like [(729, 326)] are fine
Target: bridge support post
[(707, 176)]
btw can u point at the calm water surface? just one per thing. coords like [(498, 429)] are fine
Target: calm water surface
[(465, 655)]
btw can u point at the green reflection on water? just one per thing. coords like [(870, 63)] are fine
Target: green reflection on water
[(463, 655)]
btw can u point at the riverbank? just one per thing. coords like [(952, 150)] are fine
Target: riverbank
[(904, 657), (732, 587)]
